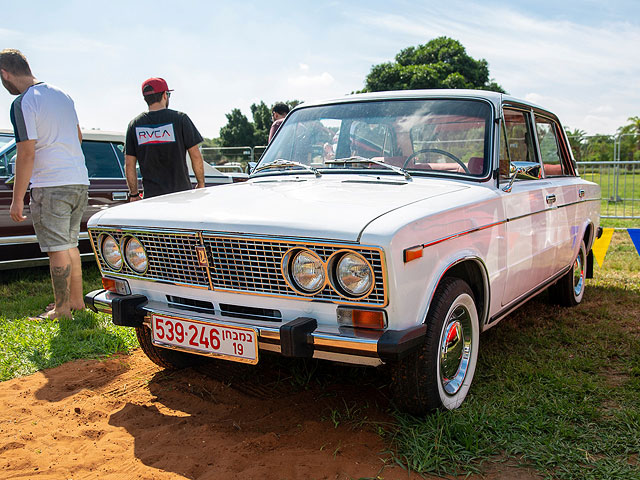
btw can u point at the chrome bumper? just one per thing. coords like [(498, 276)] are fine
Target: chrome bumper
[(297, 338)]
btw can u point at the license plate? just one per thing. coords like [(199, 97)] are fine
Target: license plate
[(231, 343)]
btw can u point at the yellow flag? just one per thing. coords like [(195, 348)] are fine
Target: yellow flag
[(601, 245)]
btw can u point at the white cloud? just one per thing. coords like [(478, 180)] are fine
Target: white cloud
[(311, 81)]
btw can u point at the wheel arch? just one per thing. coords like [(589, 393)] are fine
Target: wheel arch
[(474, 272)]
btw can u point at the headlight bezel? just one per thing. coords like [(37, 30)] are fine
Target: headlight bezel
[(336, 281), (101, 242), (287, 267), (126, 240)]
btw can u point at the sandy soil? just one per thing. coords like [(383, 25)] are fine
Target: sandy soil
[(126, 418)]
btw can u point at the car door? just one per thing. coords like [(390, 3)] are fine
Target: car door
[(563, 190), (108, 185), (530, 245)]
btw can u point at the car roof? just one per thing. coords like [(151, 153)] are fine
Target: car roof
[(102, 135), (495, 98)]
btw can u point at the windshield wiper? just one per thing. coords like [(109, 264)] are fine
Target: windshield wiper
[(357, 159), (287, 163)]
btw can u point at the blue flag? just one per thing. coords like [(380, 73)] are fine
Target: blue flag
[(634, 233)]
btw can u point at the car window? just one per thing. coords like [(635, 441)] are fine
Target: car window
[(516, 141), (549, 147), (6, 165), (101, 160), (431, 137), (370, 139)]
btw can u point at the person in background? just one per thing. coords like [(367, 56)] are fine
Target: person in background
[(158, 140), (278, 113), (50, 157)]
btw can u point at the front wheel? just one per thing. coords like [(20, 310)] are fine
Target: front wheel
[(439, 373), (569, 290)]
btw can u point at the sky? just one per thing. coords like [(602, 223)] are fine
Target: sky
[(580, 60)]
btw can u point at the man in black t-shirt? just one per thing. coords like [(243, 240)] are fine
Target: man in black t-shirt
[(158, 140)]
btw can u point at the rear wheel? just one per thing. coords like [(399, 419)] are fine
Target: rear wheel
[(439, 373), (569, 290), (170, 359)]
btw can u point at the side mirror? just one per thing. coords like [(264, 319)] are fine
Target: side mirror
[(251, 166), (523, 171)]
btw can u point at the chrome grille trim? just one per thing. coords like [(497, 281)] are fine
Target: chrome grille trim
[(172, 256), (253, 265), (238, 264)]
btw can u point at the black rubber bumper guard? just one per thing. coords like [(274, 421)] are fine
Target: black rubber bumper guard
[(295, 336)]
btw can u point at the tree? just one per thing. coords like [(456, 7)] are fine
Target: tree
[(238, 132), (630, 139), (577, 141), (261, 122), (441, 63)]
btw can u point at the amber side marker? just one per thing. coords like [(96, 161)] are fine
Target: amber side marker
[(109, 284), (412, 253), (368, 319)]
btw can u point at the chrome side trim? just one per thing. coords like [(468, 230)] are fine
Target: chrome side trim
[(24, 239)]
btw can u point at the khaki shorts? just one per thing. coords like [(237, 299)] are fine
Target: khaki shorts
[(57, 213)]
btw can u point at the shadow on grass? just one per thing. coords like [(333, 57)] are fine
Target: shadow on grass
[(87, 336)]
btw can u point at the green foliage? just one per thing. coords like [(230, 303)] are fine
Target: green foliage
[(240, 132), (440, 63), (261, 123)]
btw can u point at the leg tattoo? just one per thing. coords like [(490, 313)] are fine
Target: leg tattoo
[(60, 278)]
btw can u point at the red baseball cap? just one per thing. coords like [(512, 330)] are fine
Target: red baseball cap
[(154, 85)]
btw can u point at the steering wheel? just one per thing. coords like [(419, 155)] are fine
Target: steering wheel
[(441, 152)]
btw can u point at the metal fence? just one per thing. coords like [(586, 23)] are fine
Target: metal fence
[(232, 159), (613, 162)]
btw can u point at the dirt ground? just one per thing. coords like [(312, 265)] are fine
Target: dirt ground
[(126, 418)]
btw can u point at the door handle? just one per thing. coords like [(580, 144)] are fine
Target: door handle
[(551, 199), (581, 193), (119, 196)]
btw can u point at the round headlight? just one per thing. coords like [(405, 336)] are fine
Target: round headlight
[(135, 255), (111, 252), (308, 271), (354, 274)]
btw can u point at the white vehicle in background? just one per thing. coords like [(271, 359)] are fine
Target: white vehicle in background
[(390, 228)]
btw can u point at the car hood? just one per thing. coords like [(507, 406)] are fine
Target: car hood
[(322, 208)]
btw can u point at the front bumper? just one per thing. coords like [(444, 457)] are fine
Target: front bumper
[(300, 337)]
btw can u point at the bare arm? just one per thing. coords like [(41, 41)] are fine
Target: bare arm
[(24, 168), (132, 176), (79, 133), (197, 163)]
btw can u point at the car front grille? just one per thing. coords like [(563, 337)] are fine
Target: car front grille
[(172, 256), (235, 263)]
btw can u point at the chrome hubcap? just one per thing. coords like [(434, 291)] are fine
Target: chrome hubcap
[(578, 275), (455, 350)]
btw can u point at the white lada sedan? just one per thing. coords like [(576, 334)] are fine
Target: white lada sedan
[(386, 228)]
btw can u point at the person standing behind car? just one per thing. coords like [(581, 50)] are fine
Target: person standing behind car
[(49, 156), (158, 140), (278, 113)]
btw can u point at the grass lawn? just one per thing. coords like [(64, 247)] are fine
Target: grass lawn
[(30, 346), (556, 389)]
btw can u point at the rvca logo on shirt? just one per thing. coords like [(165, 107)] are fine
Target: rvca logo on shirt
[(155, 134)]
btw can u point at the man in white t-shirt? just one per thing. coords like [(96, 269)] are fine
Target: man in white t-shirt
[(50, 158)]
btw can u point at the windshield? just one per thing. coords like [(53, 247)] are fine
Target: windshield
[(441, 137)]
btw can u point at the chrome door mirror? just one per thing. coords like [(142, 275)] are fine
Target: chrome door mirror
[(523, 171), (251, 166)]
